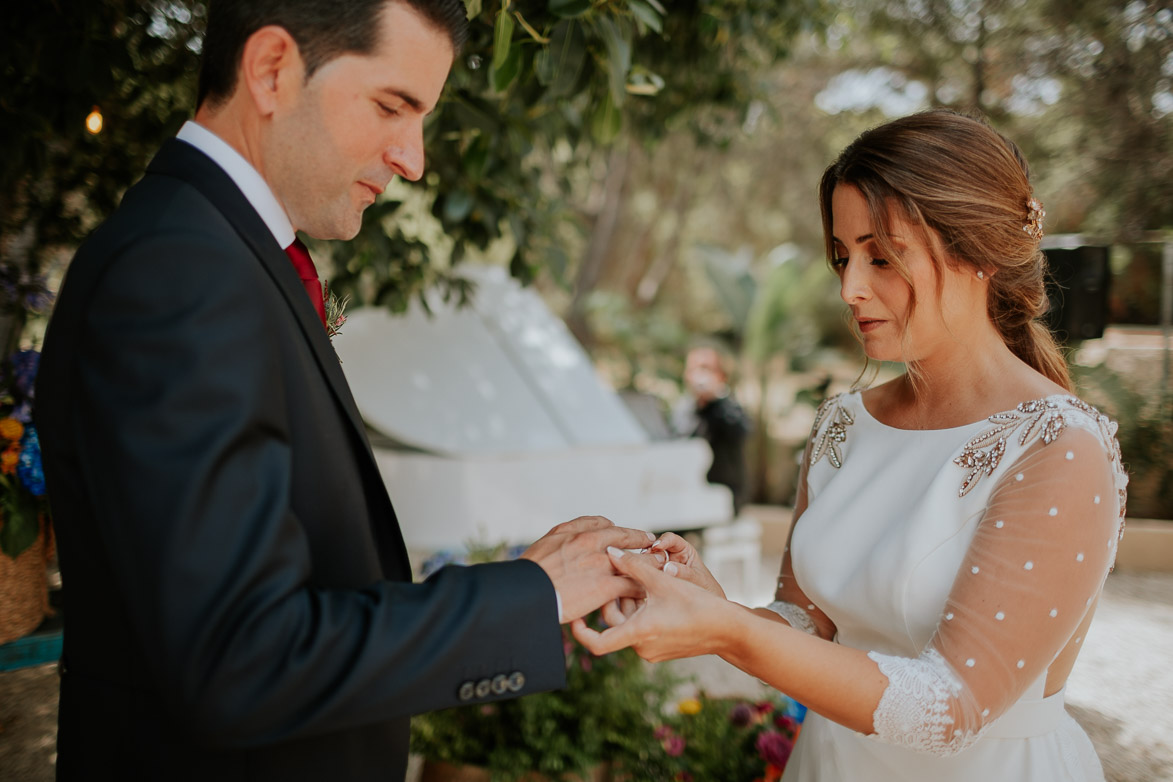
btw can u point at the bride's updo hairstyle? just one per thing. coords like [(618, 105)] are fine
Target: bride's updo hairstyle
[(971, 185)]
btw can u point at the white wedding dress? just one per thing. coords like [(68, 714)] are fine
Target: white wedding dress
[(966, 562)]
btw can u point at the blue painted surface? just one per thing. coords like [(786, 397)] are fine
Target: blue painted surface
[(42, 646), (35, 649)]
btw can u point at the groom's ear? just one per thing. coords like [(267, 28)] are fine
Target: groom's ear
[(271, 68)]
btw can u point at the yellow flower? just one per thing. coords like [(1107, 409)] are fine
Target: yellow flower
[(689, 706), (9, 458), (11, 429)]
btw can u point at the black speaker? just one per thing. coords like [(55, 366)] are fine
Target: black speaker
[(1077, 287)]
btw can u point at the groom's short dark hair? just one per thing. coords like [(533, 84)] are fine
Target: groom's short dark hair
[(323, 30)]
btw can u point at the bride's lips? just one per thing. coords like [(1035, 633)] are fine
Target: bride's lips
[(869, 324)]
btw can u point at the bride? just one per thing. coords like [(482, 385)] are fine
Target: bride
[(953, 527)]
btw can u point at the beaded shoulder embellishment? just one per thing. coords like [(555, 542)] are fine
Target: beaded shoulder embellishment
[(836, 432), (1038, 419)]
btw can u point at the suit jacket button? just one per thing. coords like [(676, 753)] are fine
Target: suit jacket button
[(466, 692), (516, 681), (484, 687), (500, 684)]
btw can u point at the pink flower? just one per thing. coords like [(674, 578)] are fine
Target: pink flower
[(786, 724), (774, 748), (674, 746), (662, 732)]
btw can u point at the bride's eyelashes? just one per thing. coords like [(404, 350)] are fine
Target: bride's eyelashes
[(840, 263)]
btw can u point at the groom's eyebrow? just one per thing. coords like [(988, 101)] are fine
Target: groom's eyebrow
[(415, 103)]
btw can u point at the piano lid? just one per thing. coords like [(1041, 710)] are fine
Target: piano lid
[(501, 376)]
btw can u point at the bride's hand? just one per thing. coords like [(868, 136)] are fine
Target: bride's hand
[(687, 562), (677, 618)]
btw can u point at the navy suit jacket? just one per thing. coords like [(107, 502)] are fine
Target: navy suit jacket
[(238, 599)]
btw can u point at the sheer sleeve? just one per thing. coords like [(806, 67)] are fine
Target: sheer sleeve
[(1039, 557), (790, 602)]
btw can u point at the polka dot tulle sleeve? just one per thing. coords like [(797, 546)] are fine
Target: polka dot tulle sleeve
[(1044, 545)]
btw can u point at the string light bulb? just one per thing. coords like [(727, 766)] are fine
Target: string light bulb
[(94, 121)]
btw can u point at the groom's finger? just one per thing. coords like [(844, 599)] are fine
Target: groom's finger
[(581, 524), (620, 537), (643, 568)]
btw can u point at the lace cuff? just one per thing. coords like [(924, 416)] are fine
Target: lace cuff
[(916, 709), (797, 617)]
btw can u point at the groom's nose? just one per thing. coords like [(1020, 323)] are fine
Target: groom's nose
[(405, 154)]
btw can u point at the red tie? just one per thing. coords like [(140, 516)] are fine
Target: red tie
[(309, 275)]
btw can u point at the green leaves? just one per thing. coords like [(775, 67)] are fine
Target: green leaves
[(617, 39), (20, 522), (559, 64), (606, 120), (647, 15), (506, 53), (569, 9)]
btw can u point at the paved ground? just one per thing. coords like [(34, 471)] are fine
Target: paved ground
[(1121, 690)]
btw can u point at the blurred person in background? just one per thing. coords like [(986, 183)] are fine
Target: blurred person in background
[(708, 410)]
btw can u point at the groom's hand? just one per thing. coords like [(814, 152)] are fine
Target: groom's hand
[(574, 556)]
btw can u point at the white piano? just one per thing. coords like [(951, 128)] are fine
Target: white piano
[(490, 426)]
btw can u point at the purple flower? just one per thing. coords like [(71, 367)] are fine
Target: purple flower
[(774, 748), (24, 371), (23, 412), (742, 715)]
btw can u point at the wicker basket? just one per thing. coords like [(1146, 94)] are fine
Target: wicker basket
[(24, 589)]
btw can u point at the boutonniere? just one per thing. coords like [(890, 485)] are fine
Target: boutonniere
[(335, 311)]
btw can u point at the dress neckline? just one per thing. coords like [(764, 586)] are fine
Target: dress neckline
[(983, 421)]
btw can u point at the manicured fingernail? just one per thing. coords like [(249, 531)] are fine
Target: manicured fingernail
[(671, 569), (650, 536), (615, 552), (661, 557)]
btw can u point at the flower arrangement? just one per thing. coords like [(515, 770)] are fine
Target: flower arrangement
[(23, 506), (616, 711), (726, 739)]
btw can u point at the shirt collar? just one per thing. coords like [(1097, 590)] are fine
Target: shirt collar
[(247, 178)]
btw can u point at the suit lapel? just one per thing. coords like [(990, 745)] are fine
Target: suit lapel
[(183, 161)]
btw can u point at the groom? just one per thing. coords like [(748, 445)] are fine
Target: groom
[(239, 600)]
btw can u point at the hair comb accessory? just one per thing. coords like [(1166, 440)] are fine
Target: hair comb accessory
[(1034, 219)]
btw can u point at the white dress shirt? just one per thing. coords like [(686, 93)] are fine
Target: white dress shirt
[(247, 178)]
